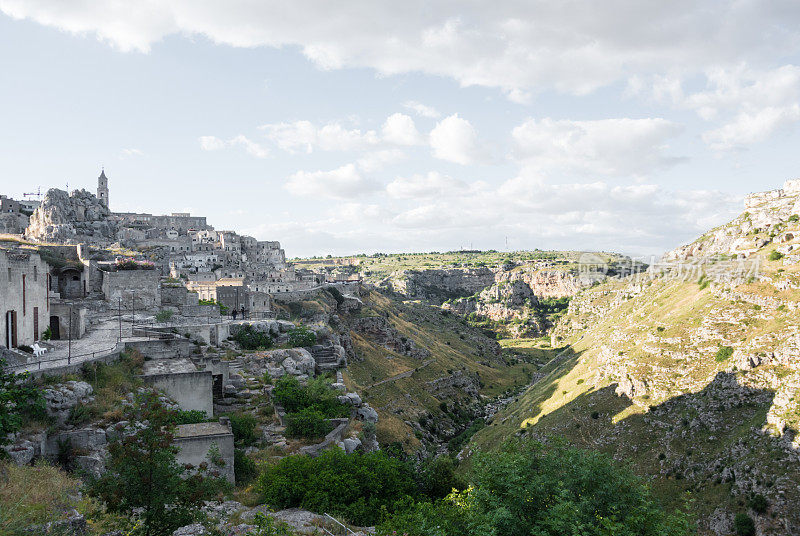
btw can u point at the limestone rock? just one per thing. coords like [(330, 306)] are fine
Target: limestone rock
[(195, 529), (75, 217), (368, 414)]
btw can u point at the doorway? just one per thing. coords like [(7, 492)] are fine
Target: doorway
[(55, 328)]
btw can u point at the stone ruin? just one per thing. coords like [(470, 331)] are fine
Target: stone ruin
[(70, 218)]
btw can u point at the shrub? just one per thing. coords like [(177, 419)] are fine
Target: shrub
[(193, 416), (793, 218), (301, 337), (163, 315), (25, 348), (252, 339), (244, 468), (48, 334), (744, 525), (317, 394), (723, 353), (307, 424), (356, 486), (775, 255), (244, 429), (758, 503), (527, 488)]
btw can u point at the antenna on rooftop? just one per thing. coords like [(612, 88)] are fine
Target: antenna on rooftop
[(37, 194)]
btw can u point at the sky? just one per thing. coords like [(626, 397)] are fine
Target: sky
[(383, 126)]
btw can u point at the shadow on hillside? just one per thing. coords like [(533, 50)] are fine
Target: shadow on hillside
[(708, 443)]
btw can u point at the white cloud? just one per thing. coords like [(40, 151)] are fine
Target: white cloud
[(455, 140), (305, 136), (574, 46), (401, 130), (377, 160), (212, 143), (607, 146), (131, 152), (432, 184), (342, 183), (422, 110)]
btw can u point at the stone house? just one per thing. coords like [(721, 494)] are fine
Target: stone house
[(207, 442), (24, 299)]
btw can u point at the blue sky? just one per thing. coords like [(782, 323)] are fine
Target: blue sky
[(361, 127)]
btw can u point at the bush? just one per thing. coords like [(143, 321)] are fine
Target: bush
[(244, 429), (163, 315), (356, 486), (301, 337), (317, 394), (48, 334), (775, 255), (190, 417), (252, 339), (744, 525), (307, 424), (723, 353), (244, 468), (759, 504), (527, 488)]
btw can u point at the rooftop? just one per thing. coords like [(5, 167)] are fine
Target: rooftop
[(168, 366), (183, 431)]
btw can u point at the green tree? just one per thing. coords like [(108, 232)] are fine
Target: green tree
[(18, 398), (143, 478), (527, 488), (302, 336)]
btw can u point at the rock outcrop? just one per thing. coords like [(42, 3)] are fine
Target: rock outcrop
[(71, 218)]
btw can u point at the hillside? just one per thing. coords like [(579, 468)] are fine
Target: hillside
[(689, 372)]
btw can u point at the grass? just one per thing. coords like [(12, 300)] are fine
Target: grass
[(33, 496)]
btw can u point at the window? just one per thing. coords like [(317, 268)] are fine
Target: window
[(35, 273)]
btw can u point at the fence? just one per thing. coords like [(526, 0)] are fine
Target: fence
[(341, 529)]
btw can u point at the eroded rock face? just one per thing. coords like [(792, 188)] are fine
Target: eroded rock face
[(378, 329), (71, 218), (61, 398)]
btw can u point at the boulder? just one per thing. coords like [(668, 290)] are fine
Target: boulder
[(195, 529), (368, 414), (351, 444)]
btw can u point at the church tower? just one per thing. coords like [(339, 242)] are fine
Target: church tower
[(102, 188)]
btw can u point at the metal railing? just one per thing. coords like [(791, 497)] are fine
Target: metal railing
[(344, 532)]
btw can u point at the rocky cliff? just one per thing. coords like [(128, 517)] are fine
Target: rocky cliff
[(690, 372), (71, 218)]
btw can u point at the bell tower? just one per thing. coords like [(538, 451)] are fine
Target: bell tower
[(102, 188)]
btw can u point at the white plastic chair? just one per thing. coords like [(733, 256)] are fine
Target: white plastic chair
[(38, 350)]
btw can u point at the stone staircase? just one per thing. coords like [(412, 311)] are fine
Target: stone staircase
[(328, 357)]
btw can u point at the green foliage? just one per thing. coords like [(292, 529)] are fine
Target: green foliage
[(356, 487), (758, 503), (307, 423), (19, 399), (436, 477), (48, 334), (301, 336), (244, 429), (81, 414), (267, 526), (244, 468), (775, 255), (744, 525), (527, 488), (793, 218), (222, 308), (193, 416), (723, 353), (317, 395), (163, 315), (252, 339), (143, 478)]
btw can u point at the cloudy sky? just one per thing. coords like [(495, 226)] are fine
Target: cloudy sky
[(363, 126)]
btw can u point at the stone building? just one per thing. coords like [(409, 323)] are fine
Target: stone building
[(23, 297), (102, 188), (198, 443), (179, 378)]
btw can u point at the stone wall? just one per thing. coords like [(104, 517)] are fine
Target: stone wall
[(178, 296), (191, 390), (137, 288), (163, 348), (24, 308), (195, 441)]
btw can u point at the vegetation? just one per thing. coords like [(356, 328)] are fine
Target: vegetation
[(723, 353), (527, 488), (252, 339), (143, 479), (307, 423), (20, 399), (244, 429), (301, 336), (775, 255), (163, 315), (316, 395)]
